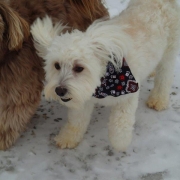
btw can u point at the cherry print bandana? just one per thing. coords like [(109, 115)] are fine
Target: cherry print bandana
[(116, 83)]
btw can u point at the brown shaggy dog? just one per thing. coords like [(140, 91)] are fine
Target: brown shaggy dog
[(21, 72)]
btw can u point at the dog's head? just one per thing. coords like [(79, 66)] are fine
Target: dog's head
[(13, 29), (74, 62)]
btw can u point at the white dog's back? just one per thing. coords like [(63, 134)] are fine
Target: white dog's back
[(154, 26)]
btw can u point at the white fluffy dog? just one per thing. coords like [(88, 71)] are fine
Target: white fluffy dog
[(145, 36)]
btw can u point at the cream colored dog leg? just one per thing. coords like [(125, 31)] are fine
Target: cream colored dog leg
[(121, 123), (73, 131), (159, 97)]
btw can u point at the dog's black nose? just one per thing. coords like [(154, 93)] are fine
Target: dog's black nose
[(60, 91)]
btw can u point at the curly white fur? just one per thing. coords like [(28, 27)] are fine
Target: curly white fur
[(147, 34)]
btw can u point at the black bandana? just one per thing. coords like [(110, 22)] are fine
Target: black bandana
[(116, 83)]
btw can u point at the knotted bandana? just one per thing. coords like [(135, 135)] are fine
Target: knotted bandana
[(116, 83)]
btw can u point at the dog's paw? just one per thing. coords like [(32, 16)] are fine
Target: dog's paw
[(65, 142), (121, 139), (158, 103), (69, 137), (152, 74)]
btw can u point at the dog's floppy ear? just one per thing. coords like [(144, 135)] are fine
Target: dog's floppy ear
[(108, 41), (16, 29), (43, 32), (107, 53)]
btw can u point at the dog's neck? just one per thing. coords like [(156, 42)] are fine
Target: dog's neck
[(116, 83)]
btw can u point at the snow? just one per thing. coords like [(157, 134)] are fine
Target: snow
[(153, 155), (116, 6)]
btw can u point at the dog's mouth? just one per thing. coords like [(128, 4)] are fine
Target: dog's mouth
[(66, 100)]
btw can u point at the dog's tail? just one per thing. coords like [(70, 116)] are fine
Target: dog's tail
[(43, 32), (15, 29)]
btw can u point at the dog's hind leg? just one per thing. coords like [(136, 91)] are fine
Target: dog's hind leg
[(159, 97), (73, 131), (14, 119), (20, 95), (121, 122)]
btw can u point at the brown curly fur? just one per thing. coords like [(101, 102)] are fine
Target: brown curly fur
[(21, 72)]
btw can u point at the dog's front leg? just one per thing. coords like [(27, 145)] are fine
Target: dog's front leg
[(121, 122), (73, 131)]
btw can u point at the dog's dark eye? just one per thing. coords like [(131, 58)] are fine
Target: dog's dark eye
[(78, 69), (57, 66)]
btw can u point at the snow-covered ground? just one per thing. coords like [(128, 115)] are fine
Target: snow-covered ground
[(116, 6), (153, 155)]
